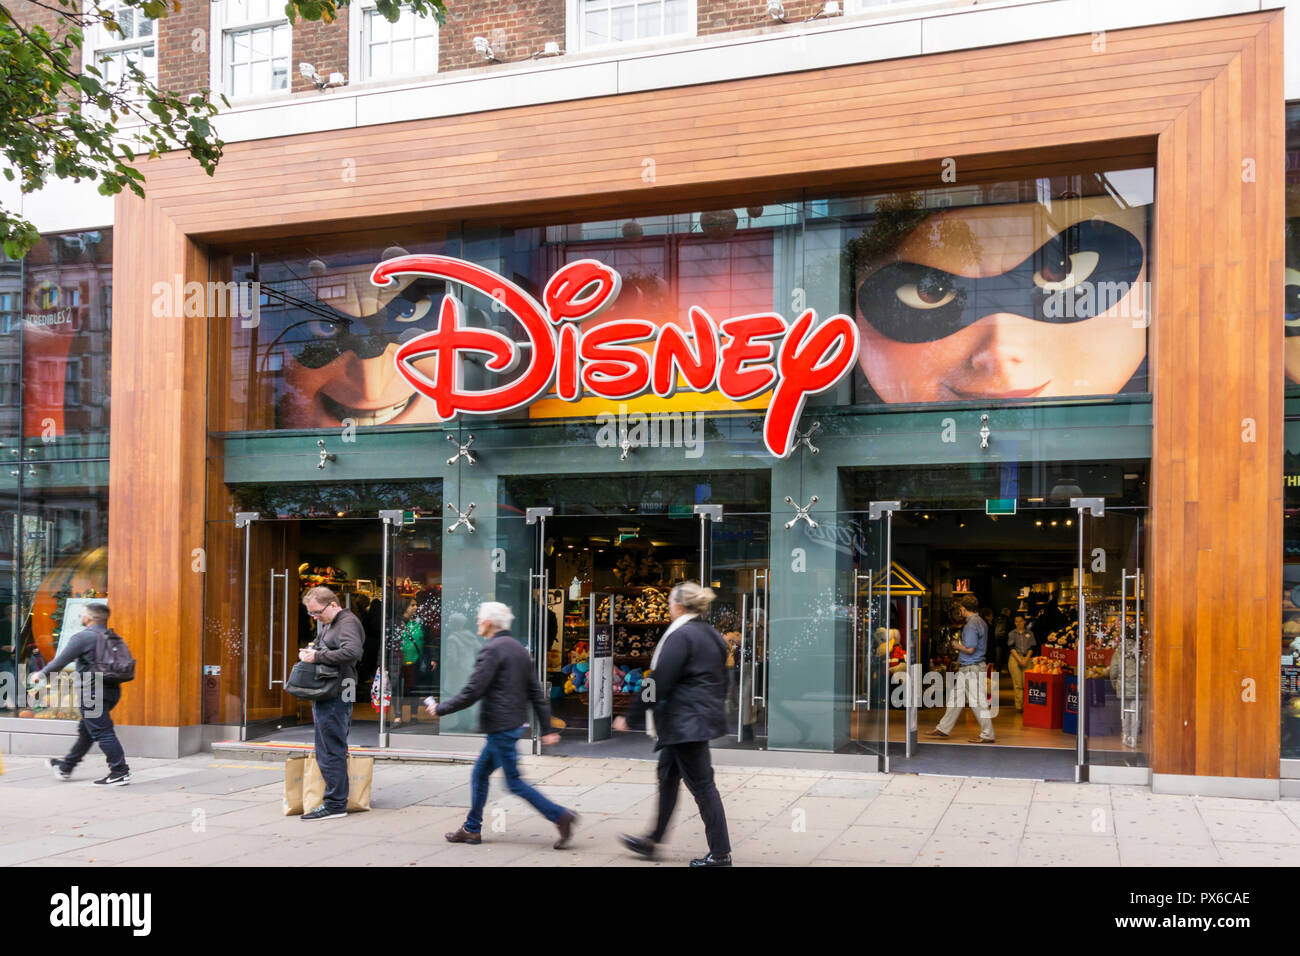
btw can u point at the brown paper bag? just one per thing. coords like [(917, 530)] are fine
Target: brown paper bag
[(293, 770), (361, 771)]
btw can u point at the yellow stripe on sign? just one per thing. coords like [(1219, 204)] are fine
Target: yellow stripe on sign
[(649, 403)]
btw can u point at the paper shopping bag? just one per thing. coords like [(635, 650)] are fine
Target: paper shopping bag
[(360, 779), (293, 770)]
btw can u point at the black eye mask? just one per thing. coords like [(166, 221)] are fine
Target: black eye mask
[(910, 302), (317, 336)]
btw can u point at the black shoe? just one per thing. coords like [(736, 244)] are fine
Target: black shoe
[(324, 813), (60, 771), (712, 860), (120, 779), (565, 826), (638, 845), (464, 836)]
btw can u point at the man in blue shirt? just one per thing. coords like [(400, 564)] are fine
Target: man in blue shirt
[(971, 687)]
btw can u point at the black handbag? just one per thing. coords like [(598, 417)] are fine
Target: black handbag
[(310, 681), (313, 681)]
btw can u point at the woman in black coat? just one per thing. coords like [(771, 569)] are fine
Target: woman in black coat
[(687, 687)]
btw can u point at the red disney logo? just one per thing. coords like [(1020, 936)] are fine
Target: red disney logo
[(741, 357)]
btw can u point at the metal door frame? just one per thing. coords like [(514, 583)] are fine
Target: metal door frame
[(875, 510), (245, 520)]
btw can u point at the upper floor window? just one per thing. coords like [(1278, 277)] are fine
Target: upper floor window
[(254, 48), (382, 50), (133, 43), (606, 22)]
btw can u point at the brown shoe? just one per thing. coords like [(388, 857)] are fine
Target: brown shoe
[(565, 826), (982, 740), (935, 733), (464, 836)]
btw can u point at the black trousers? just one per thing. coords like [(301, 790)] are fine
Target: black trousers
[(690, 762), (332, 718), (96, 727)]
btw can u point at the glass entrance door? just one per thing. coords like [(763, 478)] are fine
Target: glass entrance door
[(597, 604), (270, 624), (879, 659), (413, 626), (735, 565), (1114, 652)]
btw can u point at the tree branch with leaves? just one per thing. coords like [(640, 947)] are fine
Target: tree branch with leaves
[(58, 122)]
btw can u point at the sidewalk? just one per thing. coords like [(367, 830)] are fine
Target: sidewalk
[(205, 811)]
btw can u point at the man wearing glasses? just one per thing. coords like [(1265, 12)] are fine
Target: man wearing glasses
[(339, 642)]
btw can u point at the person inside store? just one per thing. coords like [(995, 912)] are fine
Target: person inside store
[(971, 687), (1001, 628), (891, 657), (686, 710), (1050, 619), (997, 301), (410, 641), (1020, 645), (506, 681), (370, 651), (339, 640)]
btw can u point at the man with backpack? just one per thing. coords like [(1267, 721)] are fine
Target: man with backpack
[(103, 664)]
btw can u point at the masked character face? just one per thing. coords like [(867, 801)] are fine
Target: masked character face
[(1007, 302), (1291, 351), (339, 364)]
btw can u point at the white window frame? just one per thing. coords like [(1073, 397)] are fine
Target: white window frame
[(358, 16), (574, 30), (220, 26), (97, 42)]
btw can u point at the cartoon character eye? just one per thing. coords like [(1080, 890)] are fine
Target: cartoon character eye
[(324, 328), (407, 310), (1059, 268), (933, 290)]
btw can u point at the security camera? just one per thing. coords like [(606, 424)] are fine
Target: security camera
[(483, 48), (309, 71), (776, 10)]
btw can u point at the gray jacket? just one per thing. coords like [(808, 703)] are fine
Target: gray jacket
[(79, 647), (340, 643)]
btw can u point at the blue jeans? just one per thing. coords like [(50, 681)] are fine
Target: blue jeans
[(499, 751), (332, 717)]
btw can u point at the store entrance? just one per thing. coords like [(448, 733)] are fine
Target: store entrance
[(599, 587), (388, 571), (1040, 579)]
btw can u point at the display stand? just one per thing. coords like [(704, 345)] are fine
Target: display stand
[(1044, 702)]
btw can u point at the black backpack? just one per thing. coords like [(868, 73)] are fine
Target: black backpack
[(113, 658)]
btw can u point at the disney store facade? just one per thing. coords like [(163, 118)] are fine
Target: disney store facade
[(847, 367)]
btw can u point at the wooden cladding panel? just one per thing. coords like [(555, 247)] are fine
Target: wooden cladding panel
[(1200, 97), (156, 468), (806, 123), (1217, 455)]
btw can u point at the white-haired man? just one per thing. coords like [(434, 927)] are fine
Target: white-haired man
[(504, 679)]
